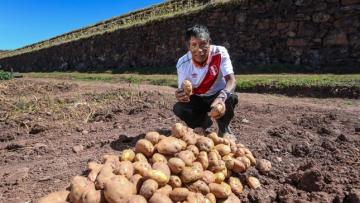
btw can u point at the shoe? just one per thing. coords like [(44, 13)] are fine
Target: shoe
[(223, 129), (229, 136)]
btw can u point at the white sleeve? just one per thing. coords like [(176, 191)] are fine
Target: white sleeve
[(226, 65), (180, 73)]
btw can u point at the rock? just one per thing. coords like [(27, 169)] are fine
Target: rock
[(262, 195), (85, 132), (17, 177), (263, 166), (327, 144), (15, 145), (353, 196), (78, 148), (245, 120), (312, 180), (342, 138), (37, 128)]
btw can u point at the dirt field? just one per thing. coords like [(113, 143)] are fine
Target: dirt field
[(50, 129)]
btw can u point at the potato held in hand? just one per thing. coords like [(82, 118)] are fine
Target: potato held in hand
[(187, 86), (217, 111)]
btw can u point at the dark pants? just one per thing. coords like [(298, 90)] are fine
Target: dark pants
[(195, 112)]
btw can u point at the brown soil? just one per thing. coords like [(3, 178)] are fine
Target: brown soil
[(50, 129)]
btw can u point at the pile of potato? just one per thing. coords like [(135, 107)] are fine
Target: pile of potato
[(184, 167)]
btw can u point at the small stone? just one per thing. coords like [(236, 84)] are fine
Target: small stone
[(278, 159), (78, 148), (85, 132), (342, 138), (263, 166), (245, 120), (37, 128), (40, 145), (18, 176)]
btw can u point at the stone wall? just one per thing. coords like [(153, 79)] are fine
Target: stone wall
[(261, 36)]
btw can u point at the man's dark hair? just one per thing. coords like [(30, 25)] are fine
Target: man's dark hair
[(197, 31)]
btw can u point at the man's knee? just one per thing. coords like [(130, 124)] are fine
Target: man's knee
[(232, 101), (180, 109)]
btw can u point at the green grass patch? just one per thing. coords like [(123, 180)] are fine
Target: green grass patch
[(5, 75)]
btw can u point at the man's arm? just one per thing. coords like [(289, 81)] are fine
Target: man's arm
[(230, 83)]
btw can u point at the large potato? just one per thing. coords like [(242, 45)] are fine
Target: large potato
[(92, 196), (187, 156), (163, 167), (236, 186), (217, 110), (210, 198), (205, 144), (190, 138), (160, 177), (219, 177), (251, 158), (55, 197), (140, 157), (118, 190), (176, 165), (179, 130), (245, 161), (253, 182), (170, 146), (208, 177), (126, 168), (179, 194), (195, 198), (165, 190), (160, 198), (221, 191), (238, 166), (187, 87), (145, 147), (153, 137), (137, 180), (193, 149), (105, 174), (148, 188)]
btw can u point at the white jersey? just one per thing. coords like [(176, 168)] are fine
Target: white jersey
[(207, 80)]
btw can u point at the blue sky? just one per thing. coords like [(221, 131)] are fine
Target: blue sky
[(24, 22)]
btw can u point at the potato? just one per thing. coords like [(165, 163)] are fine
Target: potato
[(190, 138), (240, 152), (203, 159), (213, 158), (137, 180), (246, 161), (193, 149), (137, 199), (148, 188), (229, 161), (118, 190), (165, 190), (55, 197), (179, 194), (170, 146), (145, 147), (208, 177), (127, 155), (176, 165), (158, 158), (160, 198), (236, 186), (175, 181), (92, 196), (187, 87), (253, 182), (126, 168), (231, 199), (142, 167), (217, 110), (219, 167), (195, 198), (105, 174), (205, 144), (140, 157), (94, 169), (160, 177), (223, 149), (239, 166), (153, 137), (179, 130), (187, 156), (221, 191), (211, 198), (251, 158), (78, 186), (191, 174), (163, 167), (219, 177), (199, 186), (263, 166)]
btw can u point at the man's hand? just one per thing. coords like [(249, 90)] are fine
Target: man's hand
[(222, 110), (181, 96)]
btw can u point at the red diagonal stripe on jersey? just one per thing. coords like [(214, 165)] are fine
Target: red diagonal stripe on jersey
[(211, 75)]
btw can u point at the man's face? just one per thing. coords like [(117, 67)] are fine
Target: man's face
[(199, 49)]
